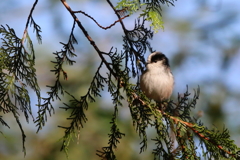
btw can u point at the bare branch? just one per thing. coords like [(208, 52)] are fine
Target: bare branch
[(98, 23)]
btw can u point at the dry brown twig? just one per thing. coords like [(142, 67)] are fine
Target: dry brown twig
[(98, 23)]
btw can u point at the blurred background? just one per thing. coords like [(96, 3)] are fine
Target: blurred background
[(201, 39)]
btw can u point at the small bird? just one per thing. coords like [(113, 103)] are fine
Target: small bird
[(157, 81)]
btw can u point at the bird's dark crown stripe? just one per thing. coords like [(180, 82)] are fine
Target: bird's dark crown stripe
[(158, 56)]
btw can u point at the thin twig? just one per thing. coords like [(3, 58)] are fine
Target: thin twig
[(28, 20), (89, 38), (123, 27), (98, 23)]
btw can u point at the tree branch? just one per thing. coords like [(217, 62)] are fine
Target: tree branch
[(98, 23), (100, 53)]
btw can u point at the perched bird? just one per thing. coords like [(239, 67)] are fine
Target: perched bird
[(157, 80)]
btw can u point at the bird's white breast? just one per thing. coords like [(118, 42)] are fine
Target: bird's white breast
[(157, 83)]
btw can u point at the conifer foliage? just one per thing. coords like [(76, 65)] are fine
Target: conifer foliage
[(179, 134)]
